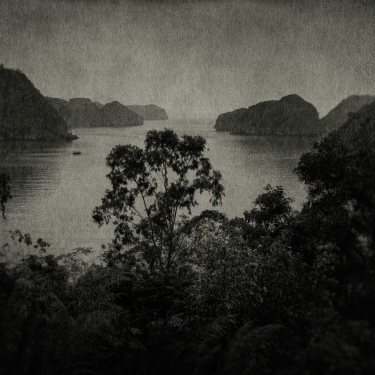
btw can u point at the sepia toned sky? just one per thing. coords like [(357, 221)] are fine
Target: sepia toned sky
[(195, 58)]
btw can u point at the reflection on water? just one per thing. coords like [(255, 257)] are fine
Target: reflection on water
[(54, 191)]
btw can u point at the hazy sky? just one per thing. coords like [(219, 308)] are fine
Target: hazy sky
[(194, 58)]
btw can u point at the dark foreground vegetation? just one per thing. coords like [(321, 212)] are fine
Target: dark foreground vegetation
[(273, 292)]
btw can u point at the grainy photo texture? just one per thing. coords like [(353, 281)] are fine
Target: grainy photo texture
[(187, 187)]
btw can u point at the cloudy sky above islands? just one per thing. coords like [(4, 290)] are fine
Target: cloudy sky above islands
[(196, 58)]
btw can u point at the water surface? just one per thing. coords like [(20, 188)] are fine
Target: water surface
[(54, 191)]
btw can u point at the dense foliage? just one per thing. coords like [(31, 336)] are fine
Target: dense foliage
[(273, 292), (157, 177)]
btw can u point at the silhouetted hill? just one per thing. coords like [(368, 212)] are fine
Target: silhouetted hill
[(149, 112), (24, 111), (62, 107), (84, 113), (291, 115), (115, 114), (358, 132), (338, 115)]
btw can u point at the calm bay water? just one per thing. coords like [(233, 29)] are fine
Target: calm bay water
[(54, 192)]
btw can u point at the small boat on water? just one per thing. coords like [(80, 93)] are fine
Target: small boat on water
[(77, 153)]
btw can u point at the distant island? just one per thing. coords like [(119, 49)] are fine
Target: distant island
[(25, 114), (83, 113), (291, 115)]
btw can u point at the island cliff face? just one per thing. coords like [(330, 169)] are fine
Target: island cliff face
[(84, 113), (149, 112), (339, 115), (25, 114), (291, 115)]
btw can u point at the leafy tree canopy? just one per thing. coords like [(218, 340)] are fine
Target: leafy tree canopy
[(271, 209), (151, 190)]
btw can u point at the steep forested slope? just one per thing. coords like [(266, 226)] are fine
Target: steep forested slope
[(24, 111)]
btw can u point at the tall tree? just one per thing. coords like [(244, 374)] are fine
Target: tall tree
[(152, 191)]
